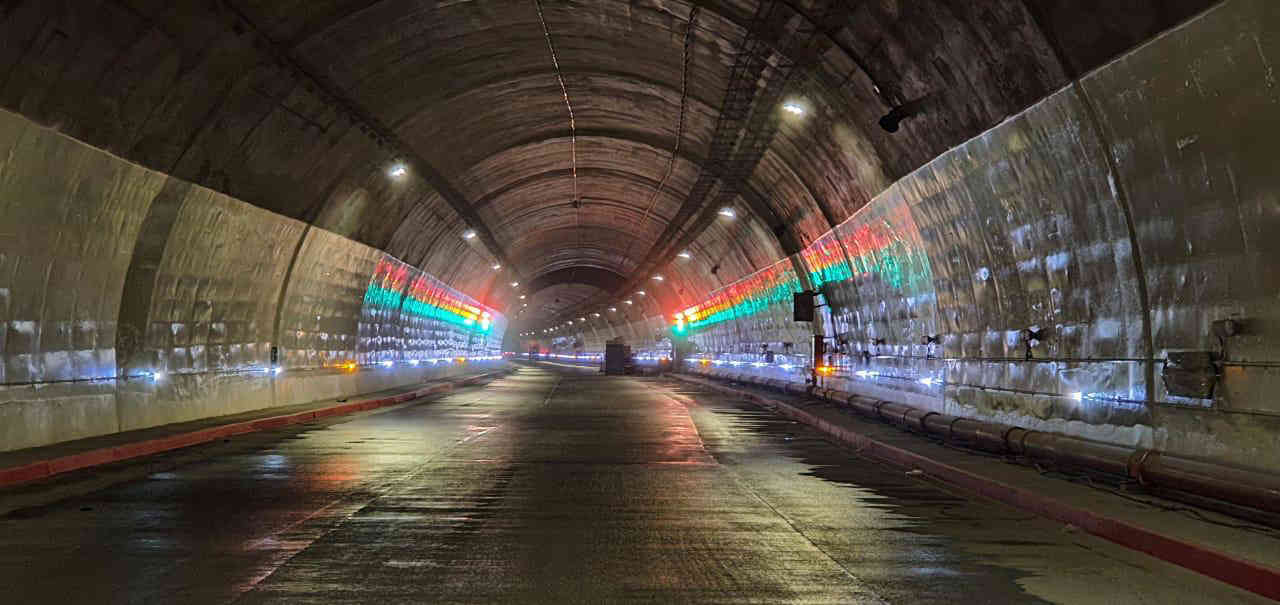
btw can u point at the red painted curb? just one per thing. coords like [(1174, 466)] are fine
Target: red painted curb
[(46, 468), (1242, 573)]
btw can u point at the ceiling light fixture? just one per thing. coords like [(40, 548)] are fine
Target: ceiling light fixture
[(793, 108), (728, 212), (515, 284), (469, 234), (658, 278), (628, 302), (685, 255), (496, 266), (397, 170)]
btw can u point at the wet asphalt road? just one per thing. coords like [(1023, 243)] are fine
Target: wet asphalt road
[(553, 485)]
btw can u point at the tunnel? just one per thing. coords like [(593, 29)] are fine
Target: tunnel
[(341, 277)]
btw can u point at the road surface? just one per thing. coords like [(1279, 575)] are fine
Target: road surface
[(551, 485)]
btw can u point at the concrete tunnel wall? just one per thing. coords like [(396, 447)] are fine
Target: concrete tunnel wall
[(110, 269), (1123, 214)]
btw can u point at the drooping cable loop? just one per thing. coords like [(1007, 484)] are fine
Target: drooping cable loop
[(573, 126), (685, 59)]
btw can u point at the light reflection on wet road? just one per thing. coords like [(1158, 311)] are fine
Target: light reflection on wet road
[(556, 485)]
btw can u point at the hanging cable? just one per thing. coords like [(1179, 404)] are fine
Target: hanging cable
[(573, 127), (685, 58)]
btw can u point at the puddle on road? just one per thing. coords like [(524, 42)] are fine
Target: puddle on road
[(911, 540)]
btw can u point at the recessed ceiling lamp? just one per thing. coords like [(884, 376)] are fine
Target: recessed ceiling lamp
[(515, 284), (793, 108), (685, 255), (521, 297), (613, 309), (658, 278), (469, 234), (628, 302), (397, 170), (496, 266), (728, 212), (639, 292)]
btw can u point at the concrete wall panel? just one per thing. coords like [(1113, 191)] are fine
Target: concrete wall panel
[(1027, 226), (71, 214), (1025, 233), (1193, 118), (323, 304), (216, 292), (209, 288), (212, 313)]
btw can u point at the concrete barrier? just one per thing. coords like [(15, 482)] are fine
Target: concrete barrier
[(47, 468)]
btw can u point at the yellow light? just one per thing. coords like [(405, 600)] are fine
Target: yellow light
[(350, 365)]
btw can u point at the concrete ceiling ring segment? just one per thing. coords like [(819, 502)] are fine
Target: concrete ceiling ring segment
[(724, 11), (603, 279), (628, 136), (756, 201), (767, 219), (381, 133), (727, 14), (734, 152), (647, 140), (633, 80)]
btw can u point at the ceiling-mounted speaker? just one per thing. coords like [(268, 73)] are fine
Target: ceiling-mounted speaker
[(802, 305)]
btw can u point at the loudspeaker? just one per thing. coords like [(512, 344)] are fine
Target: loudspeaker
[(802, 306)]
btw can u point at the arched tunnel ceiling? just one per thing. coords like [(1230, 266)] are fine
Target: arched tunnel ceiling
[(300, 106)]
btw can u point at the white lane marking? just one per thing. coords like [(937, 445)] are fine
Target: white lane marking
[(552, 392)]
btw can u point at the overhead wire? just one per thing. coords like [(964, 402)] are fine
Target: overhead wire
[(573, 126), (685, 58)]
